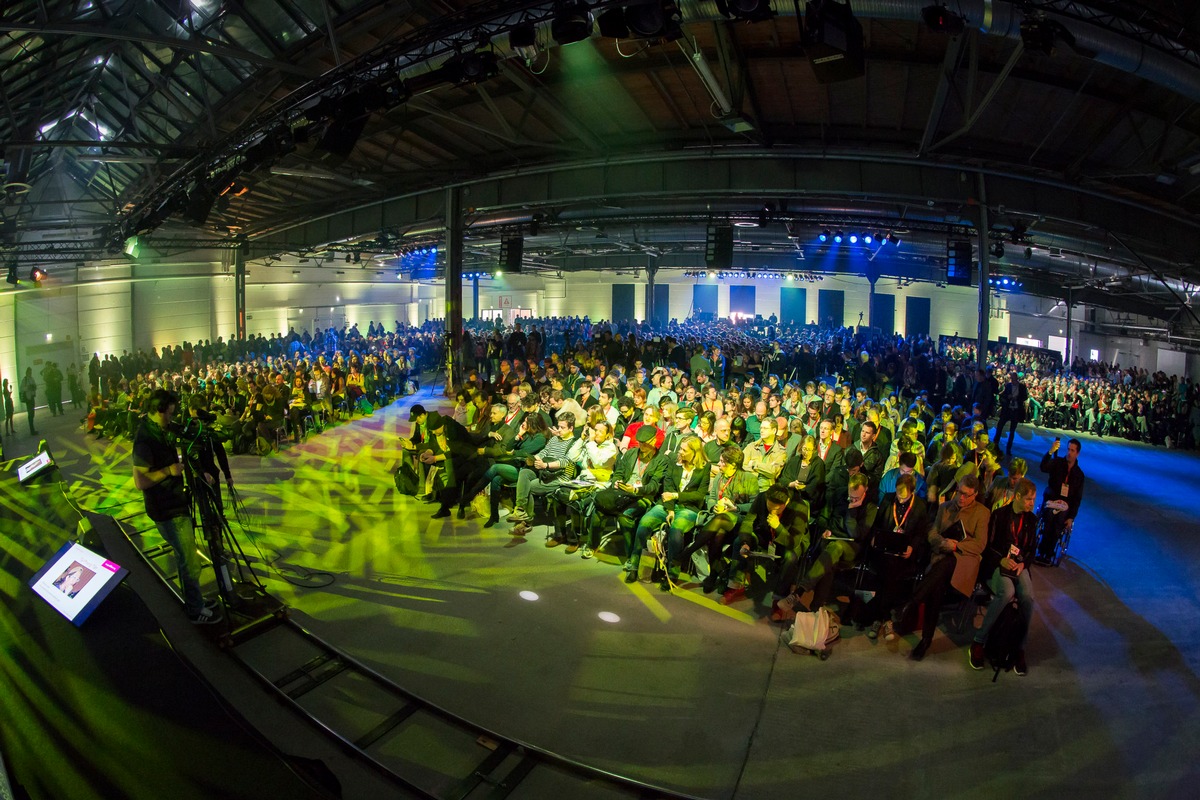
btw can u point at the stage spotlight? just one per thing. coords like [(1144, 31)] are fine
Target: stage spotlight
[(824, 236), (749, 10), (868, 238), (523, 36), (572, 23), (470, 68), (837, 238), (943, 20), (854, 238), (997, 249), (657, 19), (36, 275)]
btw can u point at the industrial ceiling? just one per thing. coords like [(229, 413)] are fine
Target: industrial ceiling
[(301, 126)]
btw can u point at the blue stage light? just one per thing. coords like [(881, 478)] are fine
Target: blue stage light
[(854, 238), (824, 236), (837, 238)]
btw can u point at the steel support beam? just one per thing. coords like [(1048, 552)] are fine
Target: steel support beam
[(454, 268), (985, 295), (1070, 334), (685, 177), (945, 81), (102, 32), (239, 291), (651, 272), (986, 100)]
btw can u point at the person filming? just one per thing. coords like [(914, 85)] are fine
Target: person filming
[(158, 473)]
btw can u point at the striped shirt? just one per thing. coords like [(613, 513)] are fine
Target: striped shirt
[(556, 449)]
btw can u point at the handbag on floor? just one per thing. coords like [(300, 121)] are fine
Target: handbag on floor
[(813, 632)]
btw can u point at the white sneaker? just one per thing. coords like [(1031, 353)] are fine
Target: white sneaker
[(587, 552), (207, 616)]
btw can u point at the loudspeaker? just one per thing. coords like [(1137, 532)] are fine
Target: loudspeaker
[(343, 133), (833, 41), (718, 247), (512, 251), (958, 263), (199, 204)]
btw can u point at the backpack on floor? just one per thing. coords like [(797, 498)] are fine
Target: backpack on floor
[(365, 407), (814, 632), (1004, 639), (407, 480)]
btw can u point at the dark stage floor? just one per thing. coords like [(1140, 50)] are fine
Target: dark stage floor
[(679, 691)]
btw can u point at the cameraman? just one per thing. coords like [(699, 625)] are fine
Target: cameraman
[(209, 449), (158, 473)]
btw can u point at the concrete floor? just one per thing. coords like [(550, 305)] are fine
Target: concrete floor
[(684, 693)]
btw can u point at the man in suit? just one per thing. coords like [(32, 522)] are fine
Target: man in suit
[(1013, 398), (829, 450), (953, 561)]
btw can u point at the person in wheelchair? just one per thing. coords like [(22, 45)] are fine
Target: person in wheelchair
[(1060, 501), (684, 491), (1012, 536)]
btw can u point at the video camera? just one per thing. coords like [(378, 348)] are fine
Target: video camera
[(197, 429)]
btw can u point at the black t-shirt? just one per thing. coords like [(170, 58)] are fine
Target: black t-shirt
[(154, 451)]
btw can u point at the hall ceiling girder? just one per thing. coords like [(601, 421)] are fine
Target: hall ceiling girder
[(761, 175)]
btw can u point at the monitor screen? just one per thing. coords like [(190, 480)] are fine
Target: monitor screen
[(34, 466), (75, 581)]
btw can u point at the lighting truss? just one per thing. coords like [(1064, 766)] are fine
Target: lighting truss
[(374, 73)]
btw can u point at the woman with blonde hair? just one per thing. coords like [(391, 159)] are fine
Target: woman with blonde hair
[(684, 493)]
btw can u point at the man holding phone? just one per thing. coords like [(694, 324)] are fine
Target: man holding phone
[(1060, 502)]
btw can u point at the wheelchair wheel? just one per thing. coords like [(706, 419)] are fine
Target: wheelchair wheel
[(1063, 542)]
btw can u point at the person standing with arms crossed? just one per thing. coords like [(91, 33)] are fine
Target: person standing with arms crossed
[(29, 397)]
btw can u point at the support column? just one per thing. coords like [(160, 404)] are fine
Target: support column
[(239, 289), (871, 303), (651, 272), (985, 289), (475, 298), (1070, 339), (454, 265)]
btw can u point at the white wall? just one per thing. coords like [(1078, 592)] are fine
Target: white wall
[(46, 329), (103, 301), (8, 344), (174, 303)]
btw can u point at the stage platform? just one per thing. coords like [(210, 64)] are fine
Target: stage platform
[(681, 692)]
